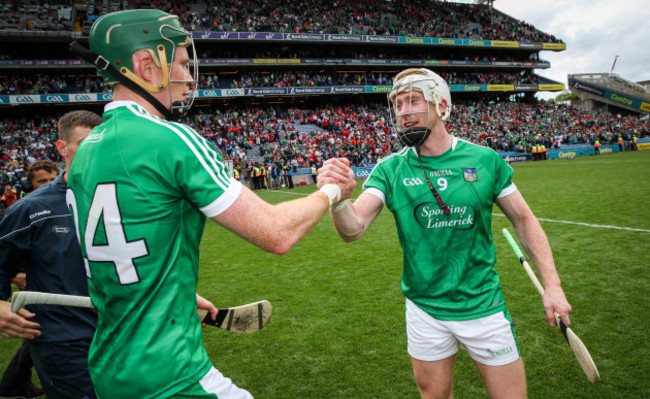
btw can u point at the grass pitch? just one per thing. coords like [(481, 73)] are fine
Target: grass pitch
[(338, 325)]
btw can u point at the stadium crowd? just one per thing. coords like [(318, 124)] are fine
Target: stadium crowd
[(299, 138), (354, 53), (412, 18), (223, 51), (50, 84), (306, 78), (53, 84), (376, 17)]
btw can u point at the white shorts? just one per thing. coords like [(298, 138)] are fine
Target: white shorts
[(214, 385), (489, 340)]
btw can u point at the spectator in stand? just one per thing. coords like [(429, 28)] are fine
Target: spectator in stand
[(9, 196)]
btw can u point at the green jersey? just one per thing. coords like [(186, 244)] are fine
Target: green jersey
[(140, 189), (448, 259)]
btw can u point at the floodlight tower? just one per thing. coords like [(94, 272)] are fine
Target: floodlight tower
[(610, 75), (613, 65)]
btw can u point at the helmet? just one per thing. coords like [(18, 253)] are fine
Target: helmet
[(432, 86), (425, 81), (116, 36)]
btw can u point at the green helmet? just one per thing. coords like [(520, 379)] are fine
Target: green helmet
[(116, 36)]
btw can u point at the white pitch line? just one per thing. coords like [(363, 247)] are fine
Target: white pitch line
[(569, 162), (603, 226)]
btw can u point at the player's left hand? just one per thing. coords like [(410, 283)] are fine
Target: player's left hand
[(203, 303)]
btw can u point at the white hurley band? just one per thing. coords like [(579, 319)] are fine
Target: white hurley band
[(333, 192)]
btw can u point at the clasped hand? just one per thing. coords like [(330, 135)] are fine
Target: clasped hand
[(338, 171)]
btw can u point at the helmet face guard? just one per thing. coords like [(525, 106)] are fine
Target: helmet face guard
[(179, 108), (116, 36), (412, 136), (434, 89)]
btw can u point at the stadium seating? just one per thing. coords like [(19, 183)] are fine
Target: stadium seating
[(294, 129), (362, 133)]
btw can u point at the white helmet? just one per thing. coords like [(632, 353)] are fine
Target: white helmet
[(433, 87), (426, 81)]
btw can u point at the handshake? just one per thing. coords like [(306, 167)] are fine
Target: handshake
[(337, 171)]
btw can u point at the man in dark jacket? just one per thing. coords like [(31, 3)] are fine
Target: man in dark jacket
[(39, 231)]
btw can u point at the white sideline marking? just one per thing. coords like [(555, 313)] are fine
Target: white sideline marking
[(559, 162), (604, 226)]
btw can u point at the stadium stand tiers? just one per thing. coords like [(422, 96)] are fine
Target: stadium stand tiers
[(295, 82), (599, 91), (236, 39)]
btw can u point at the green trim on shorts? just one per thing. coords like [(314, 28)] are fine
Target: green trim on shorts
[(506, 314)]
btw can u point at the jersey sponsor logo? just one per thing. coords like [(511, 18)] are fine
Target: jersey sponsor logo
[(430, 216), (95, 136), (412, 181), (40, 213), (60, 229), (444, 172), (470, 175)]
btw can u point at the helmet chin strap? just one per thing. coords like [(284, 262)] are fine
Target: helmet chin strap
[(179, 109), (414, 135), (102, 63)]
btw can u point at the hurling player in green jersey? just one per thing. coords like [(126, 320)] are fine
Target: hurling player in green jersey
[(441, 190), (140, 190)]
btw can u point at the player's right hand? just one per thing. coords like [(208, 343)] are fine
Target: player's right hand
[(338, 171), (334, 170), (555, 302), (15, 325)]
